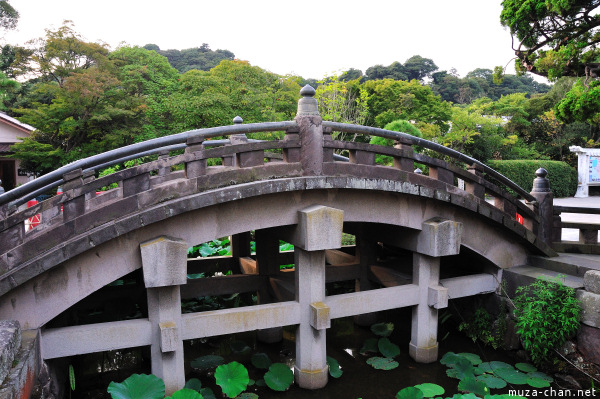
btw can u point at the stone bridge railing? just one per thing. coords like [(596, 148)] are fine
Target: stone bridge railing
[(306, 150)]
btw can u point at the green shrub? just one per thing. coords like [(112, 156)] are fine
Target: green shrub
[(563, 178), (547, 313)]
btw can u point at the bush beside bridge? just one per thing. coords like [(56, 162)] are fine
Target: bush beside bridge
[(563, 178)]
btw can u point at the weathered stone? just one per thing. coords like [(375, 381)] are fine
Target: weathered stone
[(591, 281), (319, 227), (164, 262), (588, 343), (10, 341), (590, 305), (320, 318)]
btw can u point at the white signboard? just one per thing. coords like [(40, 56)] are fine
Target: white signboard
[(594, 170)]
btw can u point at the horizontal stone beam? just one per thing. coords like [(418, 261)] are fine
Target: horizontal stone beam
[(372, 301), (100, 337), (249, 318), (459, 287), (225, 285)]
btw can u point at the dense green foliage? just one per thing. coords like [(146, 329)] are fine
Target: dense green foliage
[(563, 178), (201, 58), (547, 313)]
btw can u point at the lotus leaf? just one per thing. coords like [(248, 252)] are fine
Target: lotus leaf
[(260, 360), (207, 362), (207, 393), (410, 393), (461, 369), (232, 378), (491, 381), (473, 358), (470, 384), (489, 367), (382, 329), (430, 390), (193, 383), (370, 345), (512, 376), (537, 382), (247, 395), (279, 377), (239, 347), (387, 348), (185, 394), (334, 367), (450, 359), (539, 374), (138, 386), (525, 367), (382, 363)]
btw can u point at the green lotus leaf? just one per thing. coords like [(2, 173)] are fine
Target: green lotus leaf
[(382, 363), (207, 393), (194, 383), (279, 377), (430, 390), (260, 360), (382, 329), (138, 386), (207, 362), (334, 367), (526, 367), (387, 348), (492, 381), (537, 382), (470, 384), (232, 378), (185, 394), (410, 393), (239, 347), (449, 359), (512, 376), (539, 374), (473, 358), (370, 346), (489, 367), (462, 369)]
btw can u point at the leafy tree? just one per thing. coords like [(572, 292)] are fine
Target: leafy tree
[(341, 101), (201, 58), (9, 17), (352, 74), (58, 55), (554, 38), (389, 100), (214, 98), (417, 67)]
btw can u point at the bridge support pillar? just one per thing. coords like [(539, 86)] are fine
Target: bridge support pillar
[(267, 260), (423, 346), (319, 228), (165, 266), (438, 237)]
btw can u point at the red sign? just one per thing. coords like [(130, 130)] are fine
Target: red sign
[(519, 218)]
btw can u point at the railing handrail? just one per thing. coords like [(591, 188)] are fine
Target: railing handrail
[(53, 178), (21, 194), (388, 134), (576, 209)]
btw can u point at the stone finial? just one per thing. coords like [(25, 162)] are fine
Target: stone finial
[(418, 171), (308, 105), (1, 188), (541, 184), (238, 120)]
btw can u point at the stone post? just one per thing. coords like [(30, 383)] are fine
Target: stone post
[(319, 228), (438, 237), (542, 194), (310, 127), (164, 267)]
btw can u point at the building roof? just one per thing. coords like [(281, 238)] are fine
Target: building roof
[(13, 122), (5, 148)]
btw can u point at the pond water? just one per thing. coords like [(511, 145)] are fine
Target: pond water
[(344, 341)]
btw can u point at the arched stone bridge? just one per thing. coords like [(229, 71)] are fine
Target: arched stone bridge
[(294, 189)]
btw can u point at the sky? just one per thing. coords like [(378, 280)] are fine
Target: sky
[(309, 38)]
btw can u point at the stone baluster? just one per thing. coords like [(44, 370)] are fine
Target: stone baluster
[(472, 186), (441, 174), (162, 158), (544, 197), (195, 166), (74, 206), (310, 127), (405, 161), (249, 158)]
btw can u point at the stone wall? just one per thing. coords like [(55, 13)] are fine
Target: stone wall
[(588, 336)]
